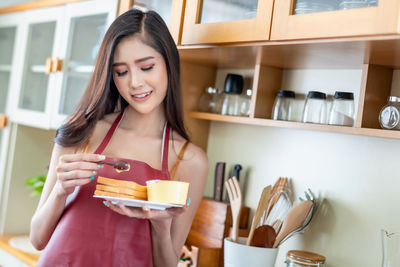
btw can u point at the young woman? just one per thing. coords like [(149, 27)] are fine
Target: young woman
[(131, 110)]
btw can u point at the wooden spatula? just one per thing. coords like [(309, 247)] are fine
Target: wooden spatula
[(264, 237), (293, 220), (262, 205)]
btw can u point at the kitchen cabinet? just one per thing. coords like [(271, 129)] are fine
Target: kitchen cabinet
[(212, 21), (171, 11), (8, 38), (268, 64), (381, 17), (59, 47)]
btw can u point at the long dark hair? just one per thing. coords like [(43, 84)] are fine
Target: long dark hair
[(102, 97)]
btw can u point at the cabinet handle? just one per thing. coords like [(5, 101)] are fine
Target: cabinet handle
[(49, 64), (3, 121), (56, 65)]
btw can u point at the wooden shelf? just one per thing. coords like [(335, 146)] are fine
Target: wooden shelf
[(334, 53), (297, 125)]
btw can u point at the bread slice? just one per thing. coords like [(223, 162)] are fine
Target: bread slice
[(121, 183), (122, 190), (111, 194)]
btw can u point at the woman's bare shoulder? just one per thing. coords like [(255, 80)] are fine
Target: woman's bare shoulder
[(195, 161), (101, 127)]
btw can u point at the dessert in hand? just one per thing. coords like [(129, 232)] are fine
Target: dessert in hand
[(120, 188)]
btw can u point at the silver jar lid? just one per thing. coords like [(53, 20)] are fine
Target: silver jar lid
[(393, 98)]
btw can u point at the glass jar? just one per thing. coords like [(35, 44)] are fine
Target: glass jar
[(315, 108), (210, 100), (342, 111), (389, 117), (246, 103), (282, 109), (301, 258), (233, 89)]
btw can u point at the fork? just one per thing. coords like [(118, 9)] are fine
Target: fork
[(235, 198)]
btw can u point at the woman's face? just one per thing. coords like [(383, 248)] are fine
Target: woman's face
[(140, 74)]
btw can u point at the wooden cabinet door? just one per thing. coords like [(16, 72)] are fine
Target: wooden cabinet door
[(380, 18), (171, 12), (213, 21)]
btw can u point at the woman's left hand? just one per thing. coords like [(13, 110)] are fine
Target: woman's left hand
[(146, 213)]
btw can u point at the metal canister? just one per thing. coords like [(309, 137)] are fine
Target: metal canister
[(301, 258)]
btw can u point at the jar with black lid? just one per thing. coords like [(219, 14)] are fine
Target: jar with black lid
[(342, 111), (301, 258), (282, 109), (315, 108), (232, 90)]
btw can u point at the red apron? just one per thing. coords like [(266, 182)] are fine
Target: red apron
[(90, 234)]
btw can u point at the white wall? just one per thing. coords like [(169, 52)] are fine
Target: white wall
[(356, 177)]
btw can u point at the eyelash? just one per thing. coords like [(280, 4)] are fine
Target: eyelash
[(148, 68), (119, 74)]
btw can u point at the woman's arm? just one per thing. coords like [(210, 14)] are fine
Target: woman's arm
[(169, 236), (66, 171)]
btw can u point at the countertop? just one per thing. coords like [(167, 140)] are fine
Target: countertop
[(26, 257)]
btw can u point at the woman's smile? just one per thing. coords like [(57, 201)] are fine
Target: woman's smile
[(141, 97)]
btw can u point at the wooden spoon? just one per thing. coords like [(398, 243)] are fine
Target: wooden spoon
[(262, 205), (293, 220), (264, 237)]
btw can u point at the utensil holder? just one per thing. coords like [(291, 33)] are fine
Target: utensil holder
[(240, 255)]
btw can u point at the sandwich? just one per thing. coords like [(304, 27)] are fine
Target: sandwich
[(120, 188)]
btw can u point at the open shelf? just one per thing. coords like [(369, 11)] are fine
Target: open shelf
[(297, 125)]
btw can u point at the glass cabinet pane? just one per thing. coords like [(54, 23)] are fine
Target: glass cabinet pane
[(227, 10), (85, 38), (35, 81), (7, 36), (7, 40), (311, 6), (162, 7), (4, 81)]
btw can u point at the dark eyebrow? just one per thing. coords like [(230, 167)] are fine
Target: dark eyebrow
[(136, 61)]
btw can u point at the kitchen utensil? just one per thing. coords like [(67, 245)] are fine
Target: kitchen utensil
[(302, 228), (236, 171), (119, 165), (280, 208), (264, 237), (277, 189), (219, 180), (277, 224), (235, 198), (262, 205), (293, 220)]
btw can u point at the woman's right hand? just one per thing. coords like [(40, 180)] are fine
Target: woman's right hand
[(76, 170)]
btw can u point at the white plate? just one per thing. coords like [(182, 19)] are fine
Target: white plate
[(24, 244), (138, 203)]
